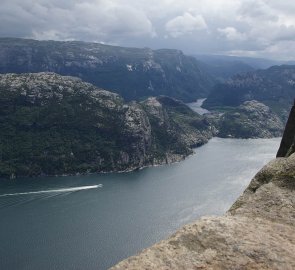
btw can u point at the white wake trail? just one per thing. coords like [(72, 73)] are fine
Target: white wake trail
[(53, 190)]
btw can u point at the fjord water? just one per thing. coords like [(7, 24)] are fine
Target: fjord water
[(197, 106), (93, 228)]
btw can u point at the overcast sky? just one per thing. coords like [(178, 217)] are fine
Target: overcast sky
[(259, 28)]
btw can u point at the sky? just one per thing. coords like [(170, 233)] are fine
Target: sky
[(255, 28)]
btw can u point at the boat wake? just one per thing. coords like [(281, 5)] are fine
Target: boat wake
[(53, 190)]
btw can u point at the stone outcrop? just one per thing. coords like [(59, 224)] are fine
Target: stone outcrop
[(258, 231)]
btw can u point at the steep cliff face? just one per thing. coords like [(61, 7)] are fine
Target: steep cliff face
[(258, 231), (287, 146), (133, 73), (52, 124), (173, 116)]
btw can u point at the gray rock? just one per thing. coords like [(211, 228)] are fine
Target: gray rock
[(287, 146)]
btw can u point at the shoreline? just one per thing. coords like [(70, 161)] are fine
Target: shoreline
[(133, 169)]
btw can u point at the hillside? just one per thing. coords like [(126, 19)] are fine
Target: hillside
[(250, 120), (52, 124), (133, 73), (275, 87)]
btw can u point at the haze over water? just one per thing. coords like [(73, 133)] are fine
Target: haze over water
[(97, 227)]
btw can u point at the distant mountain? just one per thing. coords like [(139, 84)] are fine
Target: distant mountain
[(223, 67), (222, 70), (131, 72), (290, 62), (274, 87), (255, 63), (52, 124)]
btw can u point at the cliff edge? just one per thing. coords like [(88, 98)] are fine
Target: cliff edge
[(287, 146), (258, 231)]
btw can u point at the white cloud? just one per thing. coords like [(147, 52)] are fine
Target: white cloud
[(257, 10), (232, 34), (88, 20), (185, 24)]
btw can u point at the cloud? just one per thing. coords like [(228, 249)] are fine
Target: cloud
[(92, 20), (285, 33), (185, 24), (256, 27), (257, 9), (232, 34)]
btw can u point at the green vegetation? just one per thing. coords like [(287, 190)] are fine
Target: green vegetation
[(50, 124), (53, 135), (250, 120)]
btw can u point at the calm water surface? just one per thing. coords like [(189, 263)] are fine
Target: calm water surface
[(94, 228)]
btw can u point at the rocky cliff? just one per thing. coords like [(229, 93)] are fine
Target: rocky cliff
[(287, 146), (258, 231), (132, 72), (52, 124)]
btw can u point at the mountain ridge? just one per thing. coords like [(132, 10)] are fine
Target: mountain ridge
[(134, 73)]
